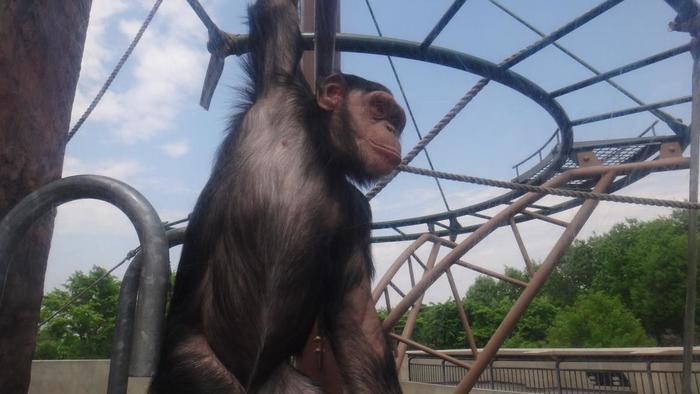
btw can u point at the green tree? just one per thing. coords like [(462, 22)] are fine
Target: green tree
[(488, 301), (85, 329), (597, 320)]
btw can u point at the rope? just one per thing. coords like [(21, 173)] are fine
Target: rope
[(116, 70), (552, 190), (431, 135)]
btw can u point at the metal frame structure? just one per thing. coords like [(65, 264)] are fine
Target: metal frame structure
[(598, 166)]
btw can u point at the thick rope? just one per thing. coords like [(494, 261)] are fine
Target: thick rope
[(431, 134), (116, 70), (552, 190)]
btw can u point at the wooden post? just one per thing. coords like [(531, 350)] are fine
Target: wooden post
[(41, 47)]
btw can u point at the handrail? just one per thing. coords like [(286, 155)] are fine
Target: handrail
[(154, 276)]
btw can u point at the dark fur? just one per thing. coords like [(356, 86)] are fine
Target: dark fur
[(278, 237)]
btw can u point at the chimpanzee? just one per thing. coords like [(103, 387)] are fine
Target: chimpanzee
[(279, 237)]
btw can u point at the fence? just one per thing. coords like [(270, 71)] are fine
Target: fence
[(551, 373)]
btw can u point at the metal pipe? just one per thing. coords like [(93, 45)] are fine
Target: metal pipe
[(621, 70), (384, 282), (544, 218), (491, 273), (327, 15), (561, 32), (430, 351), (413, 315), (154, 275), (446, 18), (673, 123), (462, 315), (446, 57), (118, 379), (629, 111), (521, 246), (691, 281), (509, 321)]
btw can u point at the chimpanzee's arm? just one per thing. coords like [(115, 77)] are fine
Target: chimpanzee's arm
[(275, 42)]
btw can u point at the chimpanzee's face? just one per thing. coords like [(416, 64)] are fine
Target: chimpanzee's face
[(377, 121)]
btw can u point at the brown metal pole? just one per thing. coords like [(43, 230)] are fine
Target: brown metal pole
[(413, 315), (462, 315), (384, 282), (430, 351), (308, 25), (690, 295), (521, 246), (491, 273), (327, 20), (544, 218), (533, 287)]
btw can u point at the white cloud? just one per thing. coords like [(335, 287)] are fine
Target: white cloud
[(167, 69), (123, 170), (91, 217), (176, 149)]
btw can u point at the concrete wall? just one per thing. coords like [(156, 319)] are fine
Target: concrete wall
[(90, 377), (76, 377), (423, 388)]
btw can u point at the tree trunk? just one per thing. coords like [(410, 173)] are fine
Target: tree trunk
[(41, 47)]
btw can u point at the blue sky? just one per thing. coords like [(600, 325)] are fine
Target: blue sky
[(150, 131)]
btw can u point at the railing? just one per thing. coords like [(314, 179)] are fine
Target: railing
[(538, 152), (560, 376)]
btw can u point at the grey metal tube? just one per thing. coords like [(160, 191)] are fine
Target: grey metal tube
[(118, 380), (154, 275), (691, 281), (123, 332)]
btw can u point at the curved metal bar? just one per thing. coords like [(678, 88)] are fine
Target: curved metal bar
[(154, 275), (118, 380), (462, 61), (446, 57)]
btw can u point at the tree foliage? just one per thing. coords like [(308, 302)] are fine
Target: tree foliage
[(597, 320), (85, 329)]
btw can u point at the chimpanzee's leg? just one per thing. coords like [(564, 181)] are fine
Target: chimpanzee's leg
[(358, 341), (286, 379)]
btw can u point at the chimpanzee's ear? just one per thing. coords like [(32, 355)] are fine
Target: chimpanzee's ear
[(331, 92)]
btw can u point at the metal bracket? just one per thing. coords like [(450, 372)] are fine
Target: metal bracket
[(587, 159), (670, 149)]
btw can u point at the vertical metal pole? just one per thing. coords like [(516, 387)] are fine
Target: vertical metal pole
[(413, 315), (650, 378), (491, 377), (308, 25), (558, 375), (444, 373), (327, 18), (689, 329)]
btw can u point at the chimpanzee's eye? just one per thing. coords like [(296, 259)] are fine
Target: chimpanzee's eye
[(378, 109)]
